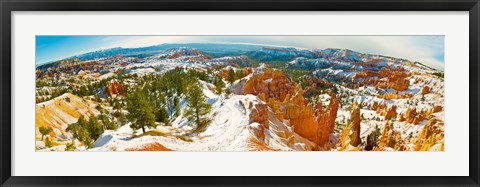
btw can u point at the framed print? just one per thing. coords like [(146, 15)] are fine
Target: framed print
[(239, 93)]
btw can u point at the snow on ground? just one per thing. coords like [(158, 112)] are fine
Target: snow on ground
[(106, 75), (229, 130)]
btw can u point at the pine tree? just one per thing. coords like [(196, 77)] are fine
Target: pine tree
[(107, 123), (121, 118), (140, 111), (218, 82), (231, 75), (74, 127), (84, 136), (45, 131), (176, 104), (240, 74), (197, 107), (163, 115), (94, 127), (70, 146), (48, 143)]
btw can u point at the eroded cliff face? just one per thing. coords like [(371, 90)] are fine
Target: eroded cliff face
[(437, 109), (185, 52), (287, 103), (271, 83), (259, 114), (425, 90), (390, 96), (61, 111), (390, 139), (431, 135), (351, 132), (355, 125), (115, 88), (412, 116), (391, 113), (383, 110), (396, 78)]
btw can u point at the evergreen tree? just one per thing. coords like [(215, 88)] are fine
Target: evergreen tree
[(74, 127), (197, 107), (45, 131), (94, 128), (84, 136), (83, 91), (176, 104), (227, 91), (162, 115), (140, 111), (107, 123), (48, 143), (231, 75), (217, 81), (70, 146), (121, 118), (240, 74), (117, 104)]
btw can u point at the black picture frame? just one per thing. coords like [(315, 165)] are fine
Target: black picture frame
[(7, 6)]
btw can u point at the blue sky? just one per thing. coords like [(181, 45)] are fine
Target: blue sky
[(425, 49)]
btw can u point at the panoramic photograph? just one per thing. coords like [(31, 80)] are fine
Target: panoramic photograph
[(239, 93)]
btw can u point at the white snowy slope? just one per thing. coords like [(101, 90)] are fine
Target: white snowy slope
[(230, 130)]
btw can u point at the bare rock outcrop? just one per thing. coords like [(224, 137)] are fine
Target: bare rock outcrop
[(115, 88), (391, 113), (351, 131), (355, 125), (391, 139), (287, 103), (425, 90), (396, 78), (259, 114), (430, 135), (413, 116), (272, 83)]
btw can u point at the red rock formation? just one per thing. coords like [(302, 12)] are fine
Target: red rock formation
[(272, 83), (401, 118), (427, 138), (437, 109), (381, 109), (391, 113), (344, 139), (388, 113), (375, 105), (383, 139), (425, 90), (115, 88), (259, 114), (186, 52), (155, 146), (391, 138), (355, 125), (412, 116), (257, 130), (351, 131), (200, 58), (326, 119), (390, 96), (287, 103), (396, 78), (314, 86)]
